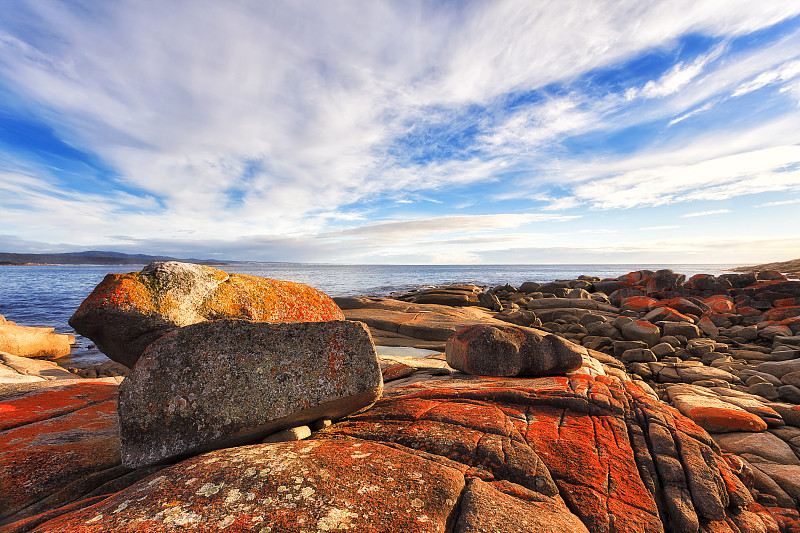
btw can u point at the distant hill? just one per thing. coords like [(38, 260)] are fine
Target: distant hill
[(94, 257), (790, 268)]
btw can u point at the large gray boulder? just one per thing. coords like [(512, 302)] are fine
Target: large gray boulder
[(487, 350), (228, 382)]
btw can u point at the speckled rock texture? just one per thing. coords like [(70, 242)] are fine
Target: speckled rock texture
[(26, 341), (464, 455), (57, 444), (229, 382), (507, 351), (126, 312)]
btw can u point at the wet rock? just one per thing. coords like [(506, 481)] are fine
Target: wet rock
[(234, 381), (510, 351), (126, 312)]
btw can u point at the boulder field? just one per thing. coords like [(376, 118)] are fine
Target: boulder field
[(644, 403)]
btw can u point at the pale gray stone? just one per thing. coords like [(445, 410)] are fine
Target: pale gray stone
[(227, 382)]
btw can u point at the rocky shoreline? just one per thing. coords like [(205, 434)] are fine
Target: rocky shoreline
[(644, 403)]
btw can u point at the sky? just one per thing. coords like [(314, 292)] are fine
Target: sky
[(429, 132)]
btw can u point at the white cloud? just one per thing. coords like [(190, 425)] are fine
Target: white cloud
[(657, 228), (675, 79), (705, 213), (780, 202), (784, 72)]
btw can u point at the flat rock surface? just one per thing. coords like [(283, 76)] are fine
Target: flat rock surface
[(229, 382), (126, 312), (418, 325), (16, 369), (55, 442)]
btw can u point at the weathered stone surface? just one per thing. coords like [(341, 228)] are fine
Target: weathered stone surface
[(501, 508), (396, 323), (590, 436), (712, 413), (639, 330), (126, 312), (57, 443), (507, 351), (33, 342), (764, 446), (311, 485), (780, 368), (228, 382), (15, 369)]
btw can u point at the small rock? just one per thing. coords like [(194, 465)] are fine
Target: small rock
[(766, 390), (638, 355), (291, 434)]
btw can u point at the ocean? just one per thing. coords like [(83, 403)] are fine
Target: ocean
[(47, 295)]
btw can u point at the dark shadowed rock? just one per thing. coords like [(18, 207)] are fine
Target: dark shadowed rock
[(228, 382), (486, 350), (126, 312)]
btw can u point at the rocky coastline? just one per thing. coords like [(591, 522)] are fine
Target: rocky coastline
[(648, 402)]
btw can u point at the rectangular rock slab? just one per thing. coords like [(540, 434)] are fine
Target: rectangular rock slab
[(228, 382)]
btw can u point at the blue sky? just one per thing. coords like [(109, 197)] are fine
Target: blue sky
[(403, 132)]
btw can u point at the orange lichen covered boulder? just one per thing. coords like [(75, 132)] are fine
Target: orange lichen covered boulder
[(782, 313), (126, 312), (724, 419), (230, 382), (682, 305), (666, 313), (721, 304), (638, 303)]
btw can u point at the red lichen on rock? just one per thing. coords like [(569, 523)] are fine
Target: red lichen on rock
[(639, 303), (42, 456), (782, 313), (721, 304), (721, 419)]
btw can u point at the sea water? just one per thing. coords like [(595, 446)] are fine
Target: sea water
[(47, 295)]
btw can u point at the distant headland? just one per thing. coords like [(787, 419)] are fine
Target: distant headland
[(95, 257)]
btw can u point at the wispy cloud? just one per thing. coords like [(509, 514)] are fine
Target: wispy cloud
[(779, 202), (705, 213)]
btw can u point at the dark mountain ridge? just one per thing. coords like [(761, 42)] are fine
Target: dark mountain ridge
[(94, 257)]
